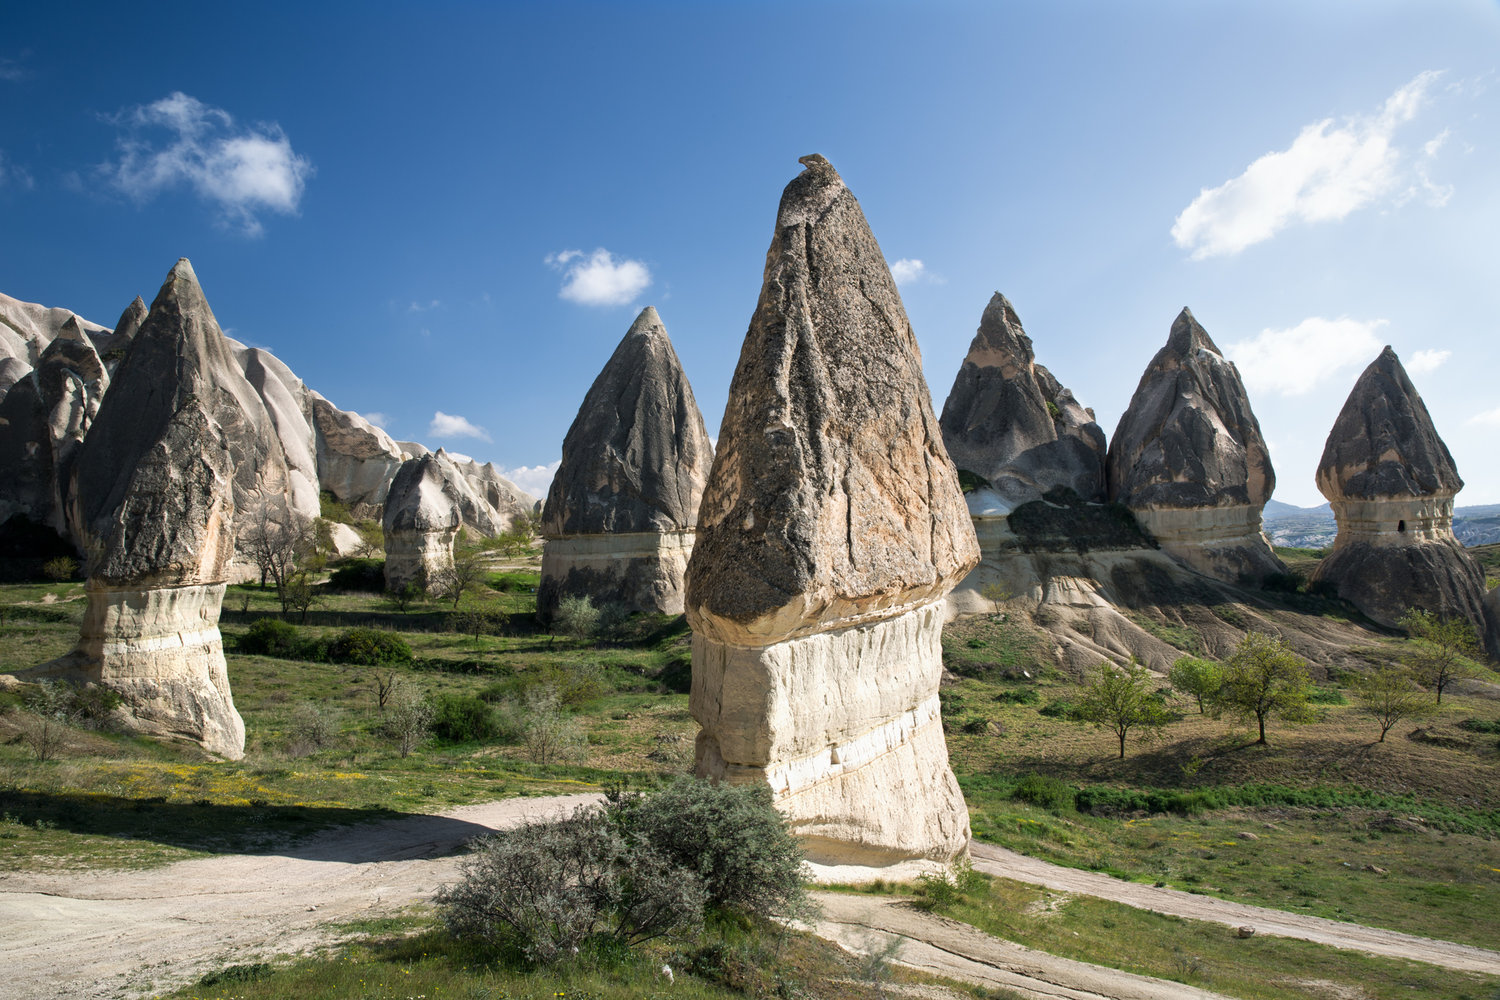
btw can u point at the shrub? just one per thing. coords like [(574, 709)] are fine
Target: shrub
[(60, 568), (311, 728), (551, 888), (576, 616), (462, 718), (407, 719), (550, 733), (272, 637), (729, 836), (1044, 791), (1061, 709), (975, 725), (1019, 696), (365, 576), (369, 647)]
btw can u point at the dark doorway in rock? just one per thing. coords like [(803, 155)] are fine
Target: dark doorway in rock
[(1401, 526)]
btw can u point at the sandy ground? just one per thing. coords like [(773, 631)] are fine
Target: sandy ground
[(109, 934)]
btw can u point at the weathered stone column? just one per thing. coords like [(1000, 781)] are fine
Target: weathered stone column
[(1391, 482), (831, 530), (621, 513), (1189, 460)]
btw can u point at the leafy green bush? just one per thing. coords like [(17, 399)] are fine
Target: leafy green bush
[(331, 508), (1326, 696), (463, 718), (729, 836), (975, 725), (1044, 791), (369, 647), (513, 582), (60, 568), (1061, 709), (1490, 726), (364, 576), (1103, 801), (1019, 696), (273, 637)]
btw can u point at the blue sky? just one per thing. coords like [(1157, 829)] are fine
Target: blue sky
[(449, 214)]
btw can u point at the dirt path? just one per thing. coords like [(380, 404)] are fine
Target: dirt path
[(110, 934), (867, 924), (1174, 902), (128, 933)]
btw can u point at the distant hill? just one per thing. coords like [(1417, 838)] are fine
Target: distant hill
[(1314, 527)]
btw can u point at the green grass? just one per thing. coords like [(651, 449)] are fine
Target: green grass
[(1201, 954), (410, 957)]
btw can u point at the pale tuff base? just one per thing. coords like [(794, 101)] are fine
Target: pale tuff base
[(643, 571), (844, 727), (1393, 522), (420, 557), (1226, 543), (160, 649)]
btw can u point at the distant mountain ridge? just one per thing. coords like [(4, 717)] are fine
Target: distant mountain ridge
[(1314, 528)]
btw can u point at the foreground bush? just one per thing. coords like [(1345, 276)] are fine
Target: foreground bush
[(463, 718), (272, 637), (644, 866), (366, 576)]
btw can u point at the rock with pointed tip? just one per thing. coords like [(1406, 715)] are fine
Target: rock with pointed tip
[(1189, 460), (429, 501), (1391, 482), (112, 347), (178, 433), (620, 515), (830, 531), (1009, 422)]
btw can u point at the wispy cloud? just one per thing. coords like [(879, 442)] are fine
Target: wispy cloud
[(12, 71), (1296, 360), (447, 425), (381, 420), (12, 175), (417, 307), (1330, 170), (599, 278), (1488, 418), (534, 479), (179, 140), (1422, 362)]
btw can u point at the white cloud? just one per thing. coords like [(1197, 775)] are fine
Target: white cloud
[(242, 170), (1422, 362), (12, 71), (12, 175), (534, 479), (381, 420), (599, 278), (908, 271), (459, 456), (417, 307), (1489, 418), (446, 425), (1329, 171), (1293, 362)]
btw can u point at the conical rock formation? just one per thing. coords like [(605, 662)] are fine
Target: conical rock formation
[(1008, 420), (831, 529), (155, 484), (620, 516), (429, 501), (1189, 460), (1391, 482)]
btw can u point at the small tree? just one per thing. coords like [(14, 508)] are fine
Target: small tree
[(1444, 643), (466, 572), (1390, 695), (371, 539), (1264, 678), (277, 538), (51, 705), (408, 718), (550, 734), (1122, 700), (1199, 678), (576, 616), (404, 595), (60, 569), (386, 683)]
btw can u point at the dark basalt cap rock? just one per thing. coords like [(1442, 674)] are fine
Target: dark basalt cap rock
[(831, 493), (178, 434), (637, 455), (1009, 421), (1383, 443), (1189, 438)]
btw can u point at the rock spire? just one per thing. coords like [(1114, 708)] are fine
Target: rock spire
[(620, 516), (178, 432), (1391, 482), (1189, 460), (831, 529)]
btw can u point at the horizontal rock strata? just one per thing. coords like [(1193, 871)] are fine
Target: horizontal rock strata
[(831, 529)]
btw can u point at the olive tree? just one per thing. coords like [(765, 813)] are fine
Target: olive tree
[(1390, 694), (1122, 699), (1264, 679), (1199, 678)]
